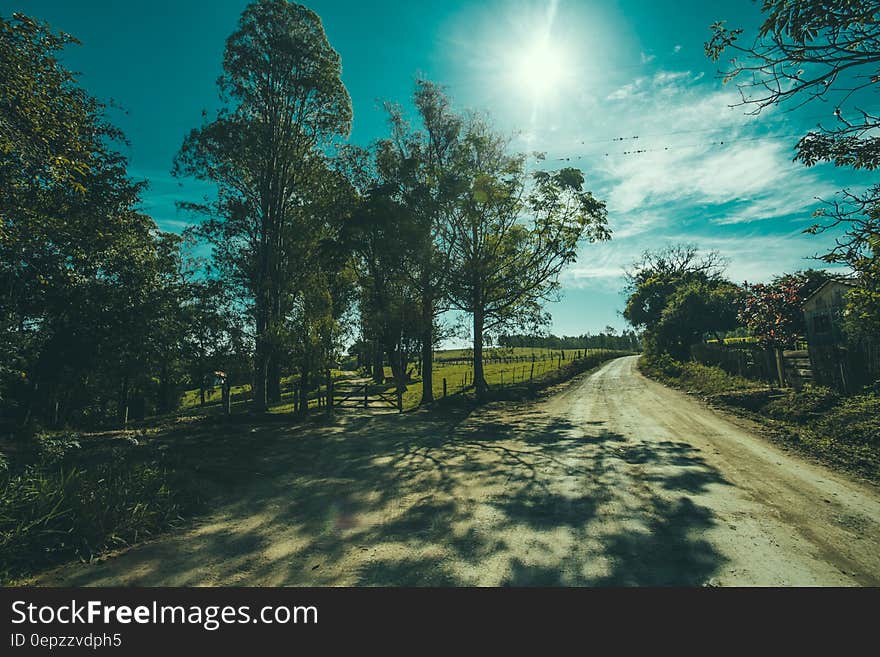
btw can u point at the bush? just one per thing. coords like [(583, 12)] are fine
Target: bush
[(804, 405), (751, 400), (855, 420), (705, 379), (662, 365)]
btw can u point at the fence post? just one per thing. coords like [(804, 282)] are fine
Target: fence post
[(532, 374), (444, 387), (780, 370), (366, 394), (329, 393)]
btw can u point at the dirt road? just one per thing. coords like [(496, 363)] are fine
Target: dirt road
[(612, 480)]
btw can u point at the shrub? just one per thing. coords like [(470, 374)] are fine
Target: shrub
[(804, 405), (662, 365), (705, 379), (855, 420)]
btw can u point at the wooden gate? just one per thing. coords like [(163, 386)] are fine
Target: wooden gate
[(365, 395)]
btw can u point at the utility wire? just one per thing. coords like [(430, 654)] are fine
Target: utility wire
[(670, 147), (691, 131)]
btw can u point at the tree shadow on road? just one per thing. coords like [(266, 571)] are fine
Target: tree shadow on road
[(506, 495)]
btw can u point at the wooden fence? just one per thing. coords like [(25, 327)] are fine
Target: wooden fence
[(743, 359), (846, 369)]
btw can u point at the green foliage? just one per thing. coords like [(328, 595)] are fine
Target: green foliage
[(661, 365), (861, 317), (90, 291), (678, 297), (51, 513), (416, 168), (511, 237), (803, 405), (705, 379), (855, 420), (823, 52), (275, 221), (774, 313)]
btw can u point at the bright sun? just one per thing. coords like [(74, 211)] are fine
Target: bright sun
[(540, 69)]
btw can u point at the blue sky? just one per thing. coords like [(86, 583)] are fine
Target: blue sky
[(613, 71)]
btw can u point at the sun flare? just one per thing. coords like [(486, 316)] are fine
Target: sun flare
[(540, 69)]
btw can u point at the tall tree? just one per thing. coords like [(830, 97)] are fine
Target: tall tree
[(420, 163), (75, 255), (284, 100), (511, 235)]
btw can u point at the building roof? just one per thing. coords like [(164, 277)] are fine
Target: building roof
[(848, 282)]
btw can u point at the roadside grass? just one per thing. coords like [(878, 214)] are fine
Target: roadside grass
[(78, 496), (75, 498), (843, 432)]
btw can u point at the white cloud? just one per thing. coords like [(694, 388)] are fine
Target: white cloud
[(706, 174), (647, 59), (677, 49), (693, 153)]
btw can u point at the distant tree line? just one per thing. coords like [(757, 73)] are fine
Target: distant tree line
[(626, 340)]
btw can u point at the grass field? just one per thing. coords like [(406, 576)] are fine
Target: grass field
[(459, 375)]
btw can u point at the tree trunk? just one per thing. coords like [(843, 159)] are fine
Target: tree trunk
[(378, 370), (398, 367), (479, 377), (164, 390), (261, 364), (304, 392), (123, 403), (273, 380), (329, 393), (427, 351), (261, 358)]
